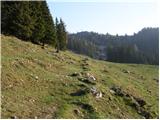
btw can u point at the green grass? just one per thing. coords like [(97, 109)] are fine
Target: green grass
[(36, 82)]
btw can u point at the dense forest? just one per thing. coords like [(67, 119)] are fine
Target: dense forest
[(32, 21), (142, 47)]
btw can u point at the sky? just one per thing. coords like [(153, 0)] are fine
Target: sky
[(109, 16)]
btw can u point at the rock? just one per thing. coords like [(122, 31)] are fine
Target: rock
[(87, 78), (145, 113), (91, 77), (140, 101), (125, 71), (133, 103), (112, 91), (36, 77), (98, 95), (76, 111), (93, 90), (118, 91), (32, 100), (10, 86), (88, 74), (14, 117)]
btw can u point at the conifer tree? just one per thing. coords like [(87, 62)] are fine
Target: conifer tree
[(63, 40), (61, 35), (28, 20), (57, 35), (39, 29), (23, 23), (50, 32)]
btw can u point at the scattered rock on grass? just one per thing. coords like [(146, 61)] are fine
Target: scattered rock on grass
[(117, 91), (91, 77), (87, 81), (94, 90), (14, 117), (76, 111), (87, 78), (36, 77), (112, 91), (125, 71), (140, 101), (96, 93)]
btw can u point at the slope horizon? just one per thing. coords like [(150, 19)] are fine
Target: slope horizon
[(112, 34)]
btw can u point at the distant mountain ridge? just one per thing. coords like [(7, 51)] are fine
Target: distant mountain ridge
[(142, 47)]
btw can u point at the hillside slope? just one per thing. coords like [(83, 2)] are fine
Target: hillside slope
[(39, 83)]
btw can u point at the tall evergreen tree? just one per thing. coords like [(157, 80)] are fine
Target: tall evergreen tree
[(23, 23), (50, 32), (63, 40), (61, 43), (28, 20), (57, 35)]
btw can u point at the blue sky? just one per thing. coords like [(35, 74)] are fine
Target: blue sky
[(102, 17)]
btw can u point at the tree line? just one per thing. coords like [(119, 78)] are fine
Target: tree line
[(142, 47), (32, 21)]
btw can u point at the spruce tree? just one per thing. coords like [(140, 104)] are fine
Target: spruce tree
[(23, 23), (63, 40), (28, 20), (50, 32), (61, 35), (57, 35), (39, 27)]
